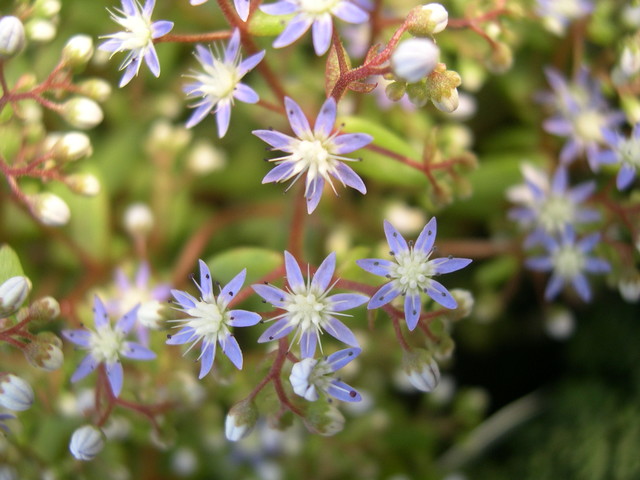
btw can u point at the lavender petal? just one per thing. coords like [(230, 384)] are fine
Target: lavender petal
[(297, 119), (412, 309), (346, 301), (350, 142), (271, 294), (383, 296), (340, 331), (223, 116), (308, 341), (279, 141), (427, 236), (377, 266), (326, 118), (136, 351), (207, 355), (231, 349), (278, 330), (232, 288), (79, 337), (348, 177), (115, 377), (293, 31), (396, 241), (86, 366), (441, 295), (294, 274), (342, 391), (321, 32), (340, 358), (324, 273), (243, 318)]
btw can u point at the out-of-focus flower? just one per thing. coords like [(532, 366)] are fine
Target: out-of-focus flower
[(82, 112), (13, 293), (411, 272), (15, 393), (49, 208), (568, 260), (12, 37), (210, 320), (414, 58), (427, 20), (78, 50), (219, 84), (4, 417), (318, 153), (626, 152), (106, 344), (311, 376), (138, 219), (557, 14), (137, 38), (240, 420), (314, 14), (86, 442), (421, 369), (308, 307)]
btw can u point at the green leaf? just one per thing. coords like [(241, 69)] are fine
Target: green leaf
[(264, 25), (257, 261), (380, 167), (10, 265)]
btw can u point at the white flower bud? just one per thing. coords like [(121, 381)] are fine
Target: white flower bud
[(13, 293), (326, 423), (47, 8), (82, 112), (138, 219), (45, 308), (40, 30), (78, 50), (85, 184), (204, 158), (240, 420), (414, 59), (630, 60), (12, 37), (44, 355), (86, 442), (560, 323), (95, 88), (50, 209), (15, 393), (426, 20), (464, 299), (629, 287), (72, 146), (447, 104), (421, 370), (299, 378)]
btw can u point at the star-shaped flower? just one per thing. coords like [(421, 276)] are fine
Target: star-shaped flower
[(211, 320), (317, 15), (311, 376), (626, 152), (318, 152), (106, 344), (411, 272), (219, 83), (308, 307), (137, 37)]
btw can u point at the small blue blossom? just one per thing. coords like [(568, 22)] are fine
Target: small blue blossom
[(106, 344), (3, 418), (557, 14), (411, 272), (210, 320), (319, 153), (308, 307), (547, 207), (219, 83), (626, 152), (242, 7), (137, 37), (311, 376), (317, 15), (567, 258)]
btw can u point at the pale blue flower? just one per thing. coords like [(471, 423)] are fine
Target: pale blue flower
[(137, 38), (411, 272), (242, 7), (557, 14), (310, 377), (106, 344), (318, 152), (210, 320), (626, 152), (218, 85), (308, 309), (316, 14)]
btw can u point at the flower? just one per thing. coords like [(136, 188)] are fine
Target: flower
[(13, 292), (568, 259), (414, 58), (210, 320), (220, 83), (318, 152), (3, 418), (308, 307), (317, 15), (557, 14), (625, 151), (549, 206), (242, 7), (106, 345), (137, 37), (15, 393), (86, 442), (310, 376), (411, 272)]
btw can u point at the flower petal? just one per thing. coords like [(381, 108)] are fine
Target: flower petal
[(324, 273), (231, 52), (321, 32), (396, 241), (114, 375), (207, 355), (245, 93), (326, 118), (294, 274), (278, 330), (556, 282), (231, 349), (293, 31), (448, 265), (100, 316), (243, 318), (297, 120), (185, 335), (308, 341), (383, 296), (340, 331), (250, 63), (342, 391), (283, 7), (340, 358), (160, 28), (86, 366), (316, 186), (271, 294), (242, 7), (206, 285), (350, 12), (223, 116), (441, 295), (128, 320), (346, 301), (279, 141), (79, 337), (185, 300), (232, 288), (427, 236), (199, 114), (350, 142), (348, 177), (412, 309), (136, 351), (377, 266), (581, 286)]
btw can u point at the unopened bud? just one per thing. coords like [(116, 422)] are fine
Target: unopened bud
[(12, 37), (13, 293), (560, 323), (85, 184), (72, 146), (630, 59), (78, 50), (441, 86), (40, 30), (44, 355), (82, 112), (205, 158), (45, 308), (414, 58), (421, 369), (465, 301), (240, 420), (417, 94), (46, 8), (629, 287), (50, 209), (15, 393), (501, 58), (426, 20), (138, 219), (96, 89), (324, 419), (86, 442), (395, 91)]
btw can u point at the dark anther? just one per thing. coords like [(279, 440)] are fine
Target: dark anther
[(169, 336), (270, 338), (395, 234), (231, 294), (350, 354), (376, 263), (429, 232), (290, 112), (411, 243), (231, 318), (443, 294), (352, 394), (414, 312), (207, 276), (450, 257), (392, 253), (264, 301)]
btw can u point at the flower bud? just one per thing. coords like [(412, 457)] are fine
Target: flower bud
[(324, 419), (417, 94), (395, 91), (426, 20), (441, 87), (96, 89), (501, 58), (629, 287), (78, 50), (86, 442), (240, 420), (421, 369), (45, 308), (138, 219), (46, 8), (559, 323), (40, 30), (204, 158), (82, 112), (465, 301), (414, 58), (44, 355), (85, 184), (15, 393), (72, 146), (13, 293), (630, 59), (12, 37), (50, 209)]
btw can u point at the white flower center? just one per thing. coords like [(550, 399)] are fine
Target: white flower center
[(317, 7), (588, 125), (219, 80), (412, 271), (137, 32), (320, 375), (555, 213), (209, 321), (629, 151), (105, 343), (314, 156), (568, 261), (307, 309)]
